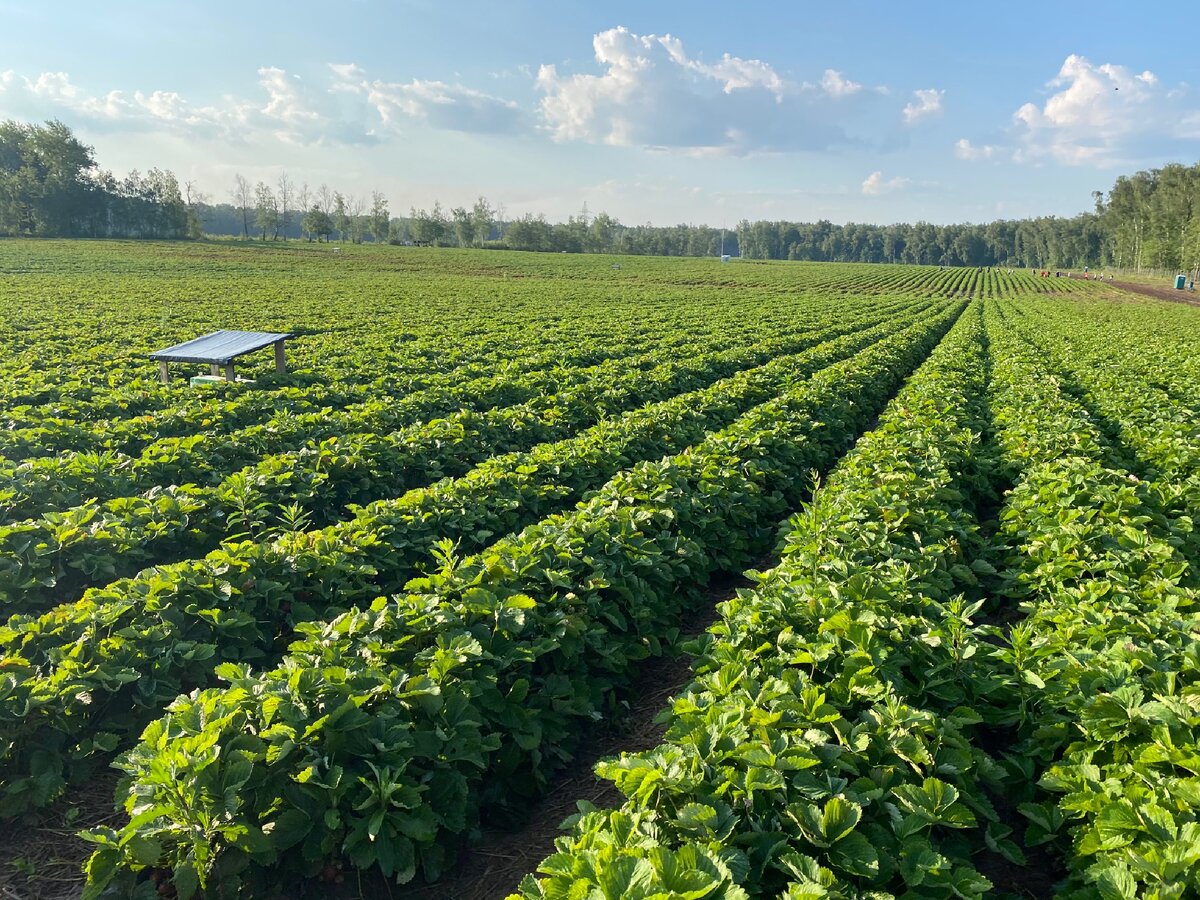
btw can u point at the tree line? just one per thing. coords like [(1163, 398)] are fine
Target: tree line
[(1039, 242), (51, 185)]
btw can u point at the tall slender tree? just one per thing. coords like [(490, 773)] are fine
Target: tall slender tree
[(285, 193), (243, 201)]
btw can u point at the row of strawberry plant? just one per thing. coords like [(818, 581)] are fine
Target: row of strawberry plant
[(43, 429), (48, 558), (233, 604), (1143, 382), (162, 462), (51, 483), (382, 734), (1151, 344), (1107, 656), (1158, 436), (112, 311), (64, 375), (824, 750)]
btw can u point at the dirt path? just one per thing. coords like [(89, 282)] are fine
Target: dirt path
[(1147, 290)]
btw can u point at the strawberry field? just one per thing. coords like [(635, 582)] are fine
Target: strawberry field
[(332, 625)]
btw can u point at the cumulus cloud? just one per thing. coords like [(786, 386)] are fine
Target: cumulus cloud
[(926, 103), (964, 149), (446, 106), (836, 84), (651, 93), (286, 101), (875, 184), (55, 89), (344, 109), (289, 110), (347, 76), (1105, 115)]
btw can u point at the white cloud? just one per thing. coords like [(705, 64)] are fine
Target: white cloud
[(964, 149), (289, 108), (446, 106), (287, 103), (837, 85), (1106, 115), (651, 93), (875, 184), (928, 103), (56, 89), (347, 75)]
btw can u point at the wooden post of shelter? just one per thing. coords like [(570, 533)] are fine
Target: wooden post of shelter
[(280, 358), (162, 371)]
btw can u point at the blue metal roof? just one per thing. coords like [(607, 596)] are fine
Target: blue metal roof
[(219, 347)]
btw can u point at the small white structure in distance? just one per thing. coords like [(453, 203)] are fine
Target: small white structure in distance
[(724, 257)]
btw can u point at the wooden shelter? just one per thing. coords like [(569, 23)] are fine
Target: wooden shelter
[(220, 349)]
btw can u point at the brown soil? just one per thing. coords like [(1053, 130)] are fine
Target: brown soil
[(1147, 290), (1038, 879), (41, 858)]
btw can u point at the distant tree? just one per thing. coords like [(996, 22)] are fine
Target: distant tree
[(266, 210), (380, 220), (303, 204), (341, 218), (529, 233), (464, 228), (324, 199), (196, 202), (166, 213), (131, 207), (482, 218), (317, 223), (243, 200), (429, 227), (46, 184), (285, 193), (600, 234), (356, 223), (500, 220)]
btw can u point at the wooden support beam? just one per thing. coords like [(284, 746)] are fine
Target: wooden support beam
[(280, 359), (229, 376), (214, 369), (162, 371)]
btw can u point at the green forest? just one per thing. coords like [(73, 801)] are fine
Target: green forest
[(52, 186)]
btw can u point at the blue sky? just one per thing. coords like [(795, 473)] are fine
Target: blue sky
[(656, 111)]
